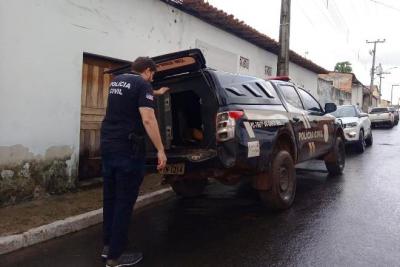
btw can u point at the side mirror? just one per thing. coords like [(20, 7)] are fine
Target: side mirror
[(362, 115), (330, 107)]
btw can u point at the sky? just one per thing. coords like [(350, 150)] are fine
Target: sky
[(331, 31)]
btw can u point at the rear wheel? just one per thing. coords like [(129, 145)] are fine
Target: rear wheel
[(370, 140), (282, 176), (336, 159), (189, 187), (361, 144)]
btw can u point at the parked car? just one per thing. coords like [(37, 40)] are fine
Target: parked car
[(381, 117), (356, 126), (395, 113), (236, 127)]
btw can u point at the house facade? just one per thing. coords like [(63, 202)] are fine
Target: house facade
[(346, 89), (53, 90)]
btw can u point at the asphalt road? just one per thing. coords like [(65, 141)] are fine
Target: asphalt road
[(353, 220)]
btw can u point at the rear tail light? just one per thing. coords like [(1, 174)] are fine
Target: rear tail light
[(226, 122)]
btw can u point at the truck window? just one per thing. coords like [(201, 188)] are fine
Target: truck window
[(291, 96), (309, 101), (267, 88), (379, 110)]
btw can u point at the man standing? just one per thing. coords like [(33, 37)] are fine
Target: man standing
[(130, 114)]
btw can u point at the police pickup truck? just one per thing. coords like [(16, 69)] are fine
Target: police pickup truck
[(232, 127)]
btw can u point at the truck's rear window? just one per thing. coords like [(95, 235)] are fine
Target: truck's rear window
[(241, 89), (378, 110)]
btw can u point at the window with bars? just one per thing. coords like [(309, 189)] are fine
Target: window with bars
[(268, 71), (244, 62)]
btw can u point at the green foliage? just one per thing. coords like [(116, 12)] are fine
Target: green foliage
[(344, 67)]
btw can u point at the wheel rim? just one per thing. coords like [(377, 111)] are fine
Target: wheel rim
[(286, 182), (341, 155), (283, 179), (363, 143)]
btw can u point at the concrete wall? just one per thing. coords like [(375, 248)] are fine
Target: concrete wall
[(384, 103), (304, 78), (325, 92), (357, 95), (41, 70)]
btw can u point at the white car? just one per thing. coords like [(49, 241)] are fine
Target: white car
[(382, 116), (356, 126)]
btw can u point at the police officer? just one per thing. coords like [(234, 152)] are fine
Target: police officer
[(130, 114)]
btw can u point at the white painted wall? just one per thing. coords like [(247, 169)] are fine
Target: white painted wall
[(357, 95), (325, 92), (304, 78), (41, 47)]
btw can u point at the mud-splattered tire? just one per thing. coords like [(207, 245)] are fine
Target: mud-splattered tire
[(189, 188), (361, 144), (283, 182), (336, 159), (370, 140)]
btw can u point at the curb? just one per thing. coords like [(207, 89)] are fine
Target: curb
[(69, 225)]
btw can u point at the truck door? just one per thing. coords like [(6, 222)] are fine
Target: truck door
[(322, 125), (300, 122)]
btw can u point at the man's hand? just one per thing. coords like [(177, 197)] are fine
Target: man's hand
[(162, 160), (161, 91)]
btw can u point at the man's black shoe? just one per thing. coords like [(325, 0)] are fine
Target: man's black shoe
[(127, 259), (104, 253)]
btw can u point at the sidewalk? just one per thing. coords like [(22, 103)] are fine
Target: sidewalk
[(40, 220)]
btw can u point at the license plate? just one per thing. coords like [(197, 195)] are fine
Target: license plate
[(178, 168)]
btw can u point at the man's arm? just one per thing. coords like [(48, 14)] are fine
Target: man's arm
[(150, 124), (161, 91)]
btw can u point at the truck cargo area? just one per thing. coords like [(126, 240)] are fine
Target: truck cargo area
[(186, 116)]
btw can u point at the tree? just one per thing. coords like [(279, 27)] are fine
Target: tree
[(344, 67)]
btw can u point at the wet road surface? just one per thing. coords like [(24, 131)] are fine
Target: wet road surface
[(353, 220)]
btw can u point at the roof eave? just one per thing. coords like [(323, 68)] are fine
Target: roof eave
[(209, 14)]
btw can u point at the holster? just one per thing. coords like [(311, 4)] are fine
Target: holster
[(138, 145)]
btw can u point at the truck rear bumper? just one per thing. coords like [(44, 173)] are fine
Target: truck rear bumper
[(194, 160), (381, 123)]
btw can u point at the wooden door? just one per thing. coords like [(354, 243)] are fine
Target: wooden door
[(93, 108)]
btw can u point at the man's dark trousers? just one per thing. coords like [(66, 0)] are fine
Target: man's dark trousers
[(123, 175)]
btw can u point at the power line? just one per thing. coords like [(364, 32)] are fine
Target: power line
[(386, 5), (342, 20)]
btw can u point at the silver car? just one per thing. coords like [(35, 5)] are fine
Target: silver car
[(356, 126)]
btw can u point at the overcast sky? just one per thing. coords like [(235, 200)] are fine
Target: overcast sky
[(329, 31)]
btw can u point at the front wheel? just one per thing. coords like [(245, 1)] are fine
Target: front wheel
[(370, 140), (336, 159), (283, 182), (361, 144)]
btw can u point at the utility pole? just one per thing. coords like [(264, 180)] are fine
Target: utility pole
[(284, 37), (373, 66), (380, 74)]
